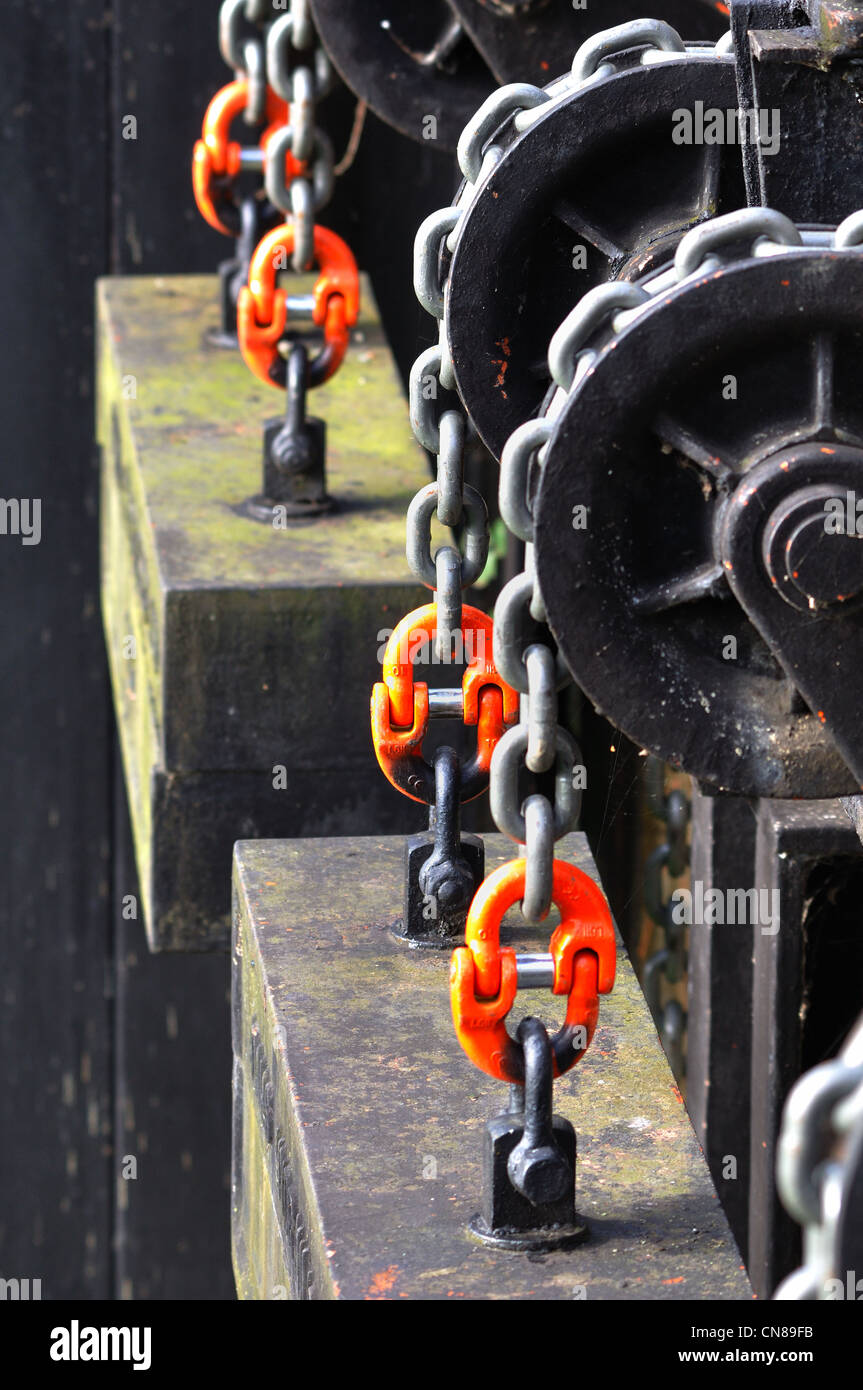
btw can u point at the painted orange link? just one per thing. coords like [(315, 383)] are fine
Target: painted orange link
[(216, 158), (262, 308), (483, 976), (400, 705)]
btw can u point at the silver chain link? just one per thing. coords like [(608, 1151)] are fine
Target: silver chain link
[(443, 434), (299, 71), (821, 1129), (526, 656), (245, 53)]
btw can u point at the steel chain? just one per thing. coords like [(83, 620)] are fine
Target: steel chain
[(443, 434), (285, 56), (299, 71), (244, 51), (820, 1144), (524, 651), (525, 655)]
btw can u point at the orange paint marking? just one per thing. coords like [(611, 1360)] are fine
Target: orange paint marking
[(502, 362), (382, 1282)]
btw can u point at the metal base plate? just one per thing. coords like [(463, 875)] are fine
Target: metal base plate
[(260, 508), (541, 1240)]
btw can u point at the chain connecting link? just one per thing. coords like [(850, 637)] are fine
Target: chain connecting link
[(818, 1168)]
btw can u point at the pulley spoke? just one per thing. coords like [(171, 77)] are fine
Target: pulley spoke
[(707, 581), (573, 218), (711, 169), (672, 433), (823, 396)]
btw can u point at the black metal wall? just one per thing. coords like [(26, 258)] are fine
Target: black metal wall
[(108, 1053)]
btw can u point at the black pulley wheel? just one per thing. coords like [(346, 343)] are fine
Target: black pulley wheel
[(700, 601), (417, 59)]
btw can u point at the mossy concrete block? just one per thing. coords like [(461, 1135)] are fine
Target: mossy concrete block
[(236, 647), (358, 1120)]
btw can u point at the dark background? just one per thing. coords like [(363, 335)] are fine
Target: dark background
[(107, 1051)]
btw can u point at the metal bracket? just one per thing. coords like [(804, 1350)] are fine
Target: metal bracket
[(800, 78), (529, 1153), (443, 868)]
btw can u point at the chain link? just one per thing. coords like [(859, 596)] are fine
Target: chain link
[(443, 433), (815, 1170), (245, 53), (525, 649)]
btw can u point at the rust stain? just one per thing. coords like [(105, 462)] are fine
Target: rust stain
[(502, 362)]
